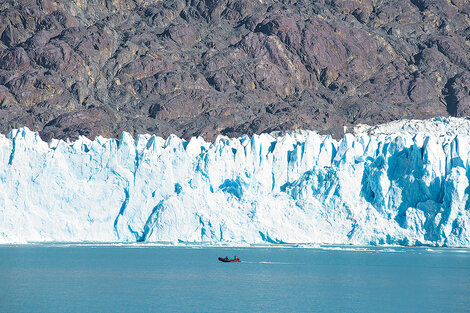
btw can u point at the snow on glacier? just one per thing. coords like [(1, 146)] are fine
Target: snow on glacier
[(406, 182)]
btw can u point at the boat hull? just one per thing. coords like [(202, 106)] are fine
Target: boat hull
[(229, 260)]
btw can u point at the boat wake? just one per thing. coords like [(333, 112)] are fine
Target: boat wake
[(269, 262)]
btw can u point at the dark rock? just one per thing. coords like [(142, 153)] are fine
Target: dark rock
[(204, 67), (142, 67), (90, 123), (7, 100), (14, 59), (421, 90), (457, 95), (184, 35)]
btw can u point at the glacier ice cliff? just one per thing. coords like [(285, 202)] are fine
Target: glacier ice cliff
[(405, 182)]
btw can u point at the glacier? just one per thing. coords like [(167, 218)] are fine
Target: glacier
[(405, 183)]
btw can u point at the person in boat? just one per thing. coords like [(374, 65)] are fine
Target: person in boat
[(235, 258), (226, 257)]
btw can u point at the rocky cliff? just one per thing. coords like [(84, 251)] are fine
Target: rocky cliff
[(204, 67)]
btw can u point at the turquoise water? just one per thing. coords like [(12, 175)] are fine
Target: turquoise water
[(143, 278)]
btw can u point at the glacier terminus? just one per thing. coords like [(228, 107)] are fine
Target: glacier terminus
[(405, 182)]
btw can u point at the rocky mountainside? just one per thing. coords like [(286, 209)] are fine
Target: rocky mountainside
[(204, 67)]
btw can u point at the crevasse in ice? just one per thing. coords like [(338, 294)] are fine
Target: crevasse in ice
[(405, 182)]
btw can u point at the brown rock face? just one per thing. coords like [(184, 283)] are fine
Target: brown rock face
[(200, 67)]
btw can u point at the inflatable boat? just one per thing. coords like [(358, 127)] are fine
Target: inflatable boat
[(229, 260)]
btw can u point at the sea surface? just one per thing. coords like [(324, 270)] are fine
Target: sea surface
[(187, 278)]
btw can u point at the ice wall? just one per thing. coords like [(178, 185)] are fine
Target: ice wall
[(401, 183)]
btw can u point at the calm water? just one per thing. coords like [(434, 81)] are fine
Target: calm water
[(142, 278)]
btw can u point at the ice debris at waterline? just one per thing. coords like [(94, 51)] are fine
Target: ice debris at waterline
[(405, 182)]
